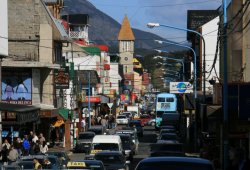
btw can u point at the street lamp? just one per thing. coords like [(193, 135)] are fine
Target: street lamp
[(195, 71), (152, 25)]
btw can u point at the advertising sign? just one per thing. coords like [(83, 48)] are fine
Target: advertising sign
[(16, 86), (181, 87), (62, 78)]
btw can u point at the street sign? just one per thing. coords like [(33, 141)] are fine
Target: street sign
[(110, 104), (181, 87)]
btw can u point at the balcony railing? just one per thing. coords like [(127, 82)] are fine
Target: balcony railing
[(78, 34)]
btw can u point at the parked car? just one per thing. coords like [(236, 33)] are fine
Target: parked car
[(137, 125), (122, 120), (129, 115), (61, 155), (176, 163), (84, 140), (113, 160), (167, 131), (169, 136), (128, 145), (86, 164)]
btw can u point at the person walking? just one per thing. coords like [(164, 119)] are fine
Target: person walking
[(41, 138), (5, 152), (26, 146), (18, 146), (13, 154), (43, 147)]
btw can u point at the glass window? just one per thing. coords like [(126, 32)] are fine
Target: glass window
[(106, 146), (170, 99), (161, 99)]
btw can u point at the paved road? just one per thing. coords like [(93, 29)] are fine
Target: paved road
[(143, 149)]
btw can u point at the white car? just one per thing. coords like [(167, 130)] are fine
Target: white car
[(122, 119)]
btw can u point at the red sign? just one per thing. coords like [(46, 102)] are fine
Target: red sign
[(93, 99)]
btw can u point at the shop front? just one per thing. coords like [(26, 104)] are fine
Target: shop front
[(18, 120)]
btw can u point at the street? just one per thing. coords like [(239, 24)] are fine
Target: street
[(149, 136)]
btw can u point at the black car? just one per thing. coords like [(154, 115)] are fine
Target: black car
[(163, 148), (128, 145), (61, 155), (112, 160), (136, 124), (84, 141), (176, 163), (97, 129), (86, 164)]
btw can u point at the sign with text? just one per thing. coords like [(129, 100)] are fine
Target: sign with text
[(62, 78), (181, 87)]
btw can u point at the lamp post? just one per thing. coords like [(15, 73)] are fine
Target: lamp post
[(152, 25), (195, 71)]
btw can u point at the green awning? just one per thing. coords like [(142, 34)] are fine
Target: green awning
[(92, 50), (64, 113)]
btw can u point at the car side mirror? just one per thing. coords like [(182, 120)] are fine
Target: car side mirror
[(127, 162)]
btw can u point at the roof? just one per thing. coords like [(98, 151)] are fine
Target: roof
[(126, 32), (17, 107), (176, 159), (108, 153), (107, 138), (92, 50)]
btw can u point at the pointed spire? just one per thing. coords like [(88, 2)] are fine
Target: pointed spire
[(126, 32)]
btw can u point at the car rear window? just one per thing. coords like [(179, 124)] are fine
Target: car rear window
[(86, 136), (121, 117)]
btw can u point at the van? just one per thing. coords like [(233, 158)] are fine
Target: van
[(106, 143)]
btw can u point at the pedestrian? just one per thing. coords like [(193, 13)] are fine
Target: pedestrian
[(83, 124), (36, 163), (35, 138), (93, 121), (26, 146), (30, 137), (41, 138), (18, 146), (5, 152), (13, 154), (104, 122), (36, 147), (43, 147)]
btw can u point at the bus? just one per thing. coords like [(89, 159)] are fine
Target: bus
[(166, 112)]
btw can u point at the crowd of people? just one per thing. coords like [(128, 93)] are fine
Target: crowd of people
[(107, 121), (30, 145)]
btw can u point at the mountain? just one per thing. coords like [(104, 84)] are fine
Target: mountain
[(104, 29)]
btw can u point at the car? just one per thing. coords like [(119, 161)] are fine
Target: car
[(86, 164), (128, 145), (169, 136), (97, 129), (145, 118), (168, 127), (112, 160), (164, 148), (167, 131), (176, 163), (137, 125), (122, 120), (84, 141), (23, 164), (61, 155), (133, 135), (11, 167), (129, 115), (151, 122), (55, 163)]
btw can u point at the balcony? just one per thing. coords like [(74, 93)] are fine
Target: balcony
[(78, 35)]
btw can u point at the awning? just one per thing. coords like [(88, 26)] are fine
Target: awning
[(17, 107), (213, 110), (58, 123)]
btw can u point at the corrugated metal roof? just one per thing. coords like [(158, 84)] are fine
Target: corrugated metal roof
[(126, 32)]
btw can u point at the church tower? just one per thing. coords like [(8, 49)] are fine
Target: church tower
[(126, 40)]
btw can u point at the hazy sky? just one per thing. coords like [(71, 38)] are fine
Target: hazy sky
[(140, 12)]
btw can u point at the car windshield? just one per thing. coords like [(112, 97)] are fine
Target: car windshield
[(86, 136), (106, 146), (110, 159), (121, 117), (173, 166)]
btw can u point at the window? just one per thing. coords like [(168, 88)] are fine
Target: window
[(161, 99)]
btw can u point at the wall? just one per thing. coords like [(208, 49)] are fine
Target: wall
[(209, 32), (246, 47), (4, 28), (114, 76)]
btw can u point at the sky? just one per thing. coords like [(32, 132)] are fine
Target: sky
[(141, 12)]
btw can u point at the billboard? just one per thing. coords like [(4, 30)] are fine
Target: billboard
[(4, 28), (181, 87), (16, 86), (62, 78)]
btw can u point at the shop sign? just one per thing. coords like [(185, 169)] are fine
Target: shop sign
[(27, 117), (93, 99), (62, 78)]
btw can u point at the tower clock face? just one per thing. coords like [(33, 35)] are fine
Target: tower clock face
[(126, 58)]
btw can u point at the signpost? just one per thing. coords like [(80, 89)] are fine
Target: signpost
[(110, 106)]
